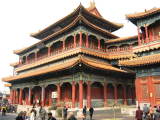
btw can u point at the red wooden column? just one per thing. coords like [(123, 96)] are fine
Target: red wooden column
[(146, 31), (49, 50), (50, 97), (124, 95), (73, 94), (64, 44), (20, 60), (139, 37), (138, 90), (153, 90), (30, 94), (105, 94), (115, 93), (43, 96), (59, 93), (75, 41), (11, 95), (150, 35), (80, 94), (87, 40), (80, 38), (26, 59), (36, 55), (99, 44), (150, 92), (16, 96), (88, 94), (20, 96)]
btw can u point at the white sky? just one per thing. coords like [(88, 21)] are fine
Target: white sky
[(20, 18)]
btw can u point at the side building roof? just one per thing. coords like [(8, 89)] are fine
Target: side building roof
[(143, 15), (121, 39), (141, 61)]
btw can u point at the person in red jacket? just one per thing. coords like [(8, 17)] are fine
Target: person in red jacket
[(139, 114)]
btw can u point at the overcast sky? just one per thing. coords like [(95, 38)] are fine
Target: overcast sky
[(20, 18)]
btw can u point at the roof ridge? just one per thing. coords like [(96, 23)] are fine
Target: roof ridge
[(143, 14)]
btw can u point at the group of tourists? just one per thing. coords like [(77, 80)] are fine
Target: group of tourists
[(36, 113), (39, 113), (148, 113), (7, 108), (91, 110), (71, 116)]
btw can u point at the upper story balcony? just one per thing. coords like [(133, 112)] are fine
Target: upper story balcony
[(62, 53), (72, 45)]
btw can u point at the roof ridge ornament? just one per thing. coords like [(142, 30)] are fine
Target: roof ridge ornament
[(92, 4)]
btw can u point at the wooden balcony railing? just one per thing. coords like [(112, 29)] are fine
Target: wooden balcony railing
[(67, 48)]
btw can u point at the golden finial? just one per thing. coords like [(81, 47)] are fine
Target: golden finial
[(92, 3)]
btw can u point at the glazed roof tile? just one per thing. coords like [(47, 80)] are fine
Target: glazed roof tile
[(143, 14), (73, 51), (14, 64), (117, 25), (150, 46), (121, 56), (121, 39), (141, 61), (8, 85), (65, 65), (62, 30)]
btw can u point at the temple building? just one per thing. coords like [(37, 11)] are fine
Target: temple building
[(79, 59)]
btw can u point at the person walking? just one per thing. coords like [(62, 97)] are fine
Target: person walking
[(4, 111), (65, 113), (24, 115), (91, 110), (50, 117), (33, 114), (84, 112), (19, 117), (157, 115), (71, 116), (42, 113), (145, 111), (139, 114)]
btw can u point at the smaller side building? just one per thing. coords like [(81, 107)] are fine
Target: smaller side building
[(147, 63)]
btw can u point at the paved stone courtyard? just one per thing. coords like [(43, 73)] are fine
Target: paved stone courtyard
[(9, 116)]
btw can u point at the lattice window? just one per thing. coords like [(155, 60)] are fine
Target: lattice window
[(144, 92), (157, 90)]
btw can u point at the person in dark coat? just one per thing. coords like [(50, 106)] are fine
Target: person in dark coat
[(42, 113), (84, 112), (19, 117), (71, 116), (65, 113), (139, 114), (157, 115), (4, 111), (50, 117), (91, 110), (145, 111)]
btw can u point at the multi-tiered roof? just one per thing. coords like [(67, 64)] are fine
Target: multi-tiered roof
[(89, 18)]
